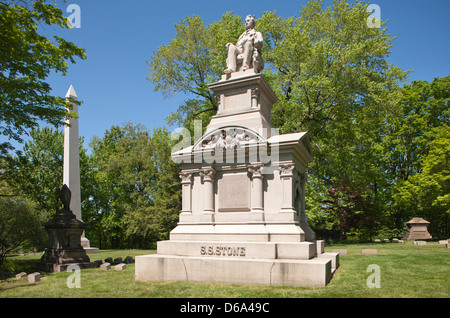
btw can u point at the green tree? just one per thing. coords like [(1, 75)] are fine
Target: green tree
[(332, 77), (137, 191), (38, 173), (26, 60), (161, 217), (408, 140), (20, 226), (194, 58), (427, 193)]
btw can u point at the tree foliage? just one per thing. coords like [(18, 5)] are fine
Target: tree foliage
[(26, 60), (20, 225), (136, 193)]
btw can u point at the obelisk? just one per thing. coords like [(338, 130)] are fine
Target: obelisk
[(72, 156), (71, 172)]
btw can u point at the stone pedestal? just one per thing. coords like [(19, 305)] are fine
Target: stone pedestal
[(417, 230), (64, 245), (243, 214)]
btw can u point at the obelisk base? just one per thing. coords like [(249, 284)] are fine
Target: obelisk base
[(87, 246)]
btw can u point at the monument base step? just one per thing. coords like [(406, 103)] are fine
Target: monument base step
[(313, 273), (241, 249), (258, 263), (91, 250)]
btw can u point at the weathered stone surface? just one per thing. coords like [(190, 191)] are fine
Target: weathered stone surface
[(105, 266), (369, 251), (341, 251), (21, 275), (120, 266), (34, 277), (315, 272)]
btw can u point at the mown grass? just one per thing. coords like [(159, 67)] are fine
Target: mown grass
[(407, 270)]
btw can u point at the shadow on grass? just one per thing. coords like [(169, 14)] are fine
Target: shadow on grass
[(14, 265)]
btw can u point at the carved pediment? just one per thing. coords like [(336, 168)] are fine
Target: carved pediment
[(228, 138)]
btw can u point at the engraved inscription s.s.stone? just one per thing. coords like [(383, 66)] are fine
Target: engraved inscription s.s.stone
[(222, 250), (234, 193)]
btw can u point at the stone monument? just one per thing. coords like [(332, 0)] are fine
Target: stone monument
[(417, 230), (71, 174), (64, 243), (243, 214)]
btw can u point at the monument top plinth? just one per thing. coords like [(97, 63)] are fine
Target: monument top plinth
[(244, 99)]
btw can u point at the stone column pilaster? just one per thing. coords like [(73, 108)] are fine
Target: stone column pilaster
[(286, 176), (186, 192), (257, 193), (208, 175)]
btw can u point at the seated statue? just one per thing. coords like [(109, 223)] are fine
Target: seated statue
[(247, 50)]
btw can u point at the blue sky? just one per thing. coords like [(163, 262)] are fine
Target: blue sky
[(120, 36)]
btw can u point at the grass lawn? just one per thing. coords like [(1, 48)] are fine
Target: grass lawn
[(407, 270)]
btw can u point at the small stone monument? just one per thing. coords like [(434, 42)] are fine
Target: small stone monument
[(64, 243), (417, 230), (243, 214)]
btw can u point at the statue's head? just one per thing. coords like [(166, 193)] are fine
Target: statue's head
[(249, 22)]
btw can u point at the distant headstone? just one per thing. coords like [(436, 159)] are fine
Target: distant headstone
[(34, 277), (105, 266), (395, 240), (443, 242), (420, 243), (386, 240), (98, 262), (448, 245), (369, 251), (129, 260), (417, 230), (401, 241), (340, 251), (21, 275), (120, 266), (377, 240)]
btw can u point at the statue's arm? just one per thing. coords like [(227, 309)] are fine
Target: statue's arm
[(258, 40)]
